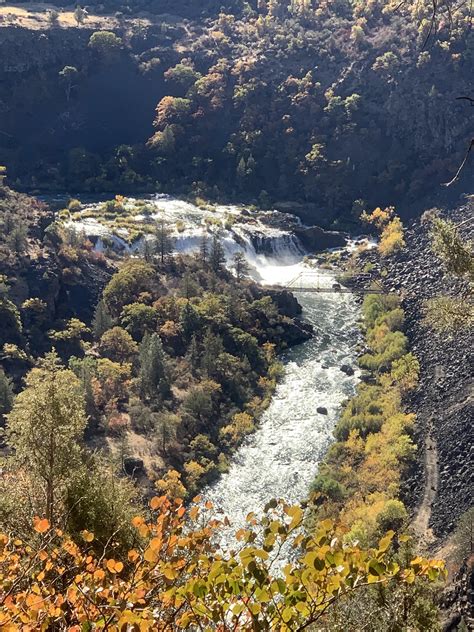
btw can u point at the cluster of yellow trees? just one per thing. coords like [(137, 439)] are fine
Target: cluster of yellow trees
[(390, 228), (362, 473)]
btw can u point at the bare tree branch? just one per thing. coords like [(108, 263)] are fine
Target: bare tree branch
[(448, 184)]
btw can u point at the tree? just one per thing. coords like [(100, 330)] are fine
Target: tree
[(241, 266), (154, 373), (183, 75), (68, 75), (100, 501), (102, 320), (178, 578), (18, 239), (3, 175), (194, 355), (118, 345), (45, 428), (204, 249), (189, 320), (451, 248), (166, 426), (212, 347), (138, 319), (464, 536), (171, 111), (6, 394), (126, 285), (53, 17), (217, 254), (200, 404), (164, 243), (447, 314), (106, 43)]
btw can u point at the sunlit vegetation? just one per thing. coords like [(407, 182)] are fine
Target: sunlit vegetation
[(175, 575), (176, 365), (361, 475), (389, 227), (448, 314)]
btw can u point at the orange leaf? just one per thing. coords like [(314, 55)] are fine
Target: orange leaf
[(111, 566), (40, 525), (155, 544), (132, 555), (156, 502)]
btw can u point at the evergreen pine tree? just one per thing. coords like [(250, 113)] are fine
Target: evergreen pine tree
[(240, 265), (213, 347), (164, 242), (194, 355), (102, 320), (6, 394), (153, 376), (147, 250), (216, 255), (204, 249), (189, 320)]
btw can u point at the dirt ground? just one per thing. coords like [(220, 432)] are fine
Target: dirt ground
[(36, 16)]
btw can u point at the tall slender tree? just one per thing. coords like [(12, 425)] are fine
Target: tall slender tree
[(216, 254), (46, 426), (6, 394), (154, 378), (164, 243), (102, 320)]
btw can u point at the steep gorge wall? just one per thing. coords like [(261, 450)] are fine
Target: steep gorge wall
[(111, 102)]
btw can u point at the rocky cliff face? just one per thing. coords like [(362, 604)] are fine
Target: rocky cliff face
[(110, 102)]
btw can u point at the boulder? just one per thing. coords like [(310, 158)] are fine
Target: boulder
[(315, 238), (322, 410), (348, 370)]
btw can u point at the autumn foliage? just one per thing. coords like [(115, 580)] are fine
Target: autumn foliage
[(176, 577)]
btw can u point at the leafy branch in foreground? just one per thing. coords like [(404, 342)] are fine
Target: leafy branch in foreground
[(178, 579)]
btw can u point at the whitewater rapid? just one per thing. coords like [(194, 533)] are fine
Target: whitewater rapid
[(281, 459)]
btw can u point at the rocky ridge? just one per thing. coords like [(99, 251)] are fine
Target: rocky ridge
[(443, 401)]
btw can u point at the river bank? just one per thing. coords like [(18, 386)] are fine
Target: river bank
[(281, 458), (443, 401)]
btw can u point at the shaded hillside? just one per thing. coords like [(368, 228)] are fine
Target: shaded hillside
[(337, 107)]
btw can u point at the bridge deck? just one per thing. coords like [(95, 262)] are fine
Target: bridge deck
[(329, 290)]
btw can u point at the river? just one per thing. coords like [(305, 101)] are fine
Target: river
[(280, 459)]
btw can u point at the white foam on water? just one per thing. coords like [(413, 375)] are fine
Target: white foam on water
[(281, 458)]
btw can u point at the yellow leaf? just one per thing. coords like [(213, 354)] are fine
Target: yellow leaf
[(151, 556), (87, 535)]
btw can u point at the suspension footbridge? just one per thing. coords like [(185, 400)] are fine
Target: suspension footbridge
[(318, 282)]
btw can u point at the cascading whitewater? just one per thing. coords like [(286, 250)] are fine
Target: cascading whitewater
[(281, 458)]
